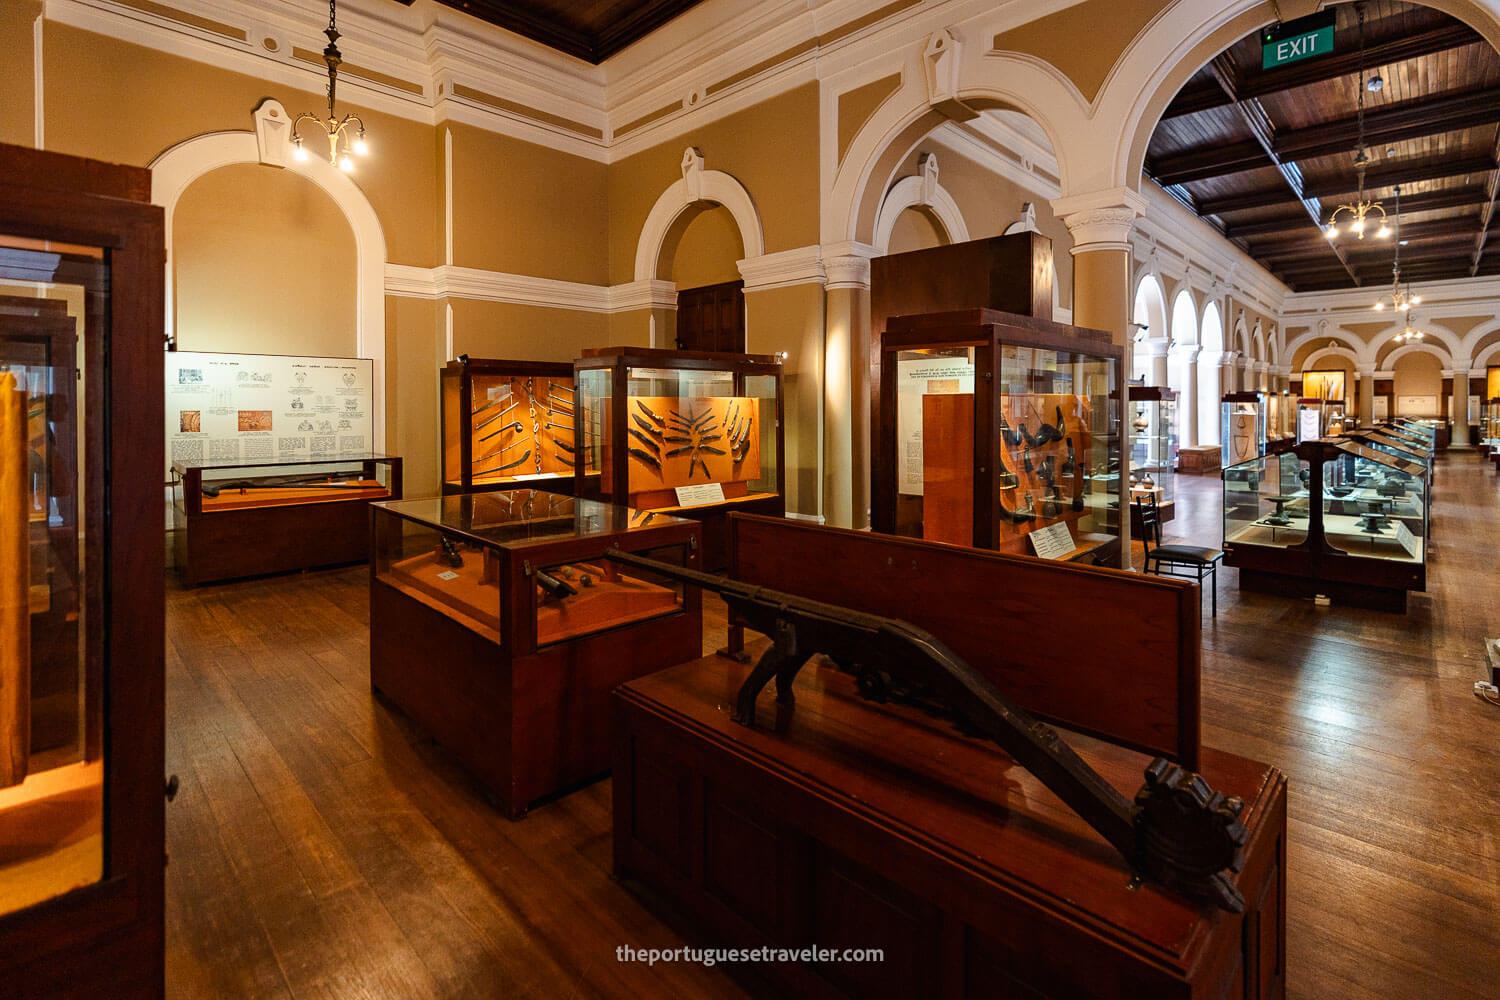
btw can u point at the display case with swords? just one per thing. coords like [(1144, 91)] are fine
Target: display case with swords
[(508, 422)]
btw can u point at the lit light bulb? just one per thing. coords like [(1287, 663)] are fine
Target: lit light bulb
[(360, 146), (1416, 300), (1379, 306), (300, 153), (346, 164), (1383, 232), (1332, 231), (1357, 226)]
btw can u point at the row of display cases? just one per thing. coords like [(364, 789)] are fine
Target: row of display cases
[(1346, 516)]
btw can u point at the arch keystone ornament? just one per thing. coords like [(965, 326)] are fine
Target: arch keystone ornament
[(921, 190), (940, 71)]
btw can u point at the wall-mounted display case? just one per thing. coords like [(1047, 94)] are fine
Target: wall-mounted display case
[(1334, 516), (1153, 448), (1242, 427), (696, 434), (497, 623), (508, 424), (1281, 421), (244, 518), (1489, 425), (999, 427), (82, 577)]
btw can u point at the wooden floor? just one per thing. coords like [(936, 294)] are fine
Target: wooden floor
[(321, 847)]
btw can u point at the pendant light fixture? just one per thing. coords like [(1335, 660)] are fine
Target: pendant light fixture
[(1400, 300), (1361, 212), (336, 129)]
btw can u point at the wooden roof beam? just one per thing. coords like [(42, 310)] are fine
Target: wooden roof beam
[(1428, 201), (1487, 213), (1259, 83)]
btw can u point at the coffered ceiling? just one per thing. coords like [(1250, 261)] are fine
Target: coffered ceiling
[(1267, 155), (592, 30)]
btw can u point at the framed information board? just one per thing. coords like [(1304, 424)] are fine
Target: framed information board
[(235, 407)]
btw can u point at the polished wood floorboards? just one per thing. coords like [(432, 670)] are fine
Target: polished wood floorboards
[(322, 847)]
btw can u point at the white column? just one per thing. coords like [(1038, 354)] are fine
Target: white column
[(1210, 380), (1183, 360), (1156, 367), (1460, 405)]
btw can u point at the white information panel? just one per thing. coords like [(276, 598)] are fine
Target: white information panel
[(915, 378), (1407, 539), (702, 493), (1309, 424), (243, 407), (1052, 542)]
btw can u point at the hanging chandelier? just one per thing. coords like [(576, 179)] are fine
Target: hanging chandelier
[(336, 129), (1407, 335), (1400, 299), (1361, 211)]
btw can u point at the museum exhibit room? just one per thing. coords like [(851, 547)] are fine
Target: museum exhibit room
[(749, 499)]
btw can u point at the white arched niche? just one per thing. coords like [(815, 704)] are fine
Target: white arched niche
[(679, 203), (176, 168), (920, 191)]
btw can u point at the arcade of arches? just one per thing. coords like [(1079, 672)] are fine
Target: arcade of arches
[(520, 202)]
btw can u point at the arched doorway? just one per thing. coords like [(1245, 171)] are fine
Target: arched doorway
[(1210, 368)]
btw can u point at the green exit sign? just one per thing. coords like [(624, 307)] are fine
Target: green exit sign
[(1293, 41)]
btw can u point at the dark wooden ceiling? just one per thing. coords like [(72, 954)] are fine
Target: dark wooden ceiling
[(589, 29), (1267, 155)]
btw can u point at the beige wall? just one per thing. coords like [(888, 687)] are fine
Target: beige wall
[(525, 209), (17, 110), (791, 320), (264, 263), (707, 251), (771, 149), (1085, 59), (1418, 374), (915, 229), (533, 333), (413, 331)]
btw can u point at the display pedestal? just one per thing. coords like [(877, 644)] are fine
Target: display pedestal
[(1203, 461), (853, 825)]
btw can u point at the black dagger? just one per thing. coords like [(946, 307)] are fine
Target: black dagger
[(643, 425), (712, 451), (646, 457), (647, 411), (514, 425), (643, 439), (508, 465), (497, 416), (681, 451)]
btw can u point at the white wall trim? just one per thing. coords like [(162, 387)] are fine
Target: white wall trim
[(697, 187), (174, 170), (802, 266), (38, 84)]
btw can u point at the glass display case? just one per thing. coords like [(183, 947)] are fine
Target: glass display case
[(82, 578), (508, 423), (1153, 448), (1001, 432), (1266, 501), (1489, 428), (1242, 426), (684, 432), (1318, 418), (248, 517), (1335, 517), (1281, 421), (499, 624)]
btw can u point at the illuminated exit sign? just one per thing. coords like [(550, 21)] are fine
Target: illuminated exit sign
[(1293, 41)]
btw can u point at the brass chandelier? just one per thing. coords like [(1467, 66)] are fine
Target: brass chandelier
[(336, 129), (1361, 211)]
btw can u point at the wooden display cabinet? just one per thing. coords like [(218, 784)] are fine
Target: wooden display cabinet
[(246, 518), (507, 424), (994, 426), (497, 624), (694, 434), (82, 825)]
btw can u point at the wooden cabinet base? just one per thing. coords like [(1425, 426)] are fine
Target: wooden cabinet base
[(843, 824), (1357, 595), (225, 545), (525, 726), (1203, 461)]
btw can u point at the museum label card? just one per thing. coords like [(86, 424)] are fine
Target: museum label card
[(1407, 539), (702, 493), (448, 575), (1053, 541)]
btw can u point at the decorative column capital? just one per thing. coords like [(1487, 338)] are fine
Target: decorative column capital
[(1100, 220), (1187, 353), (1152, 348), (847, 264)]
